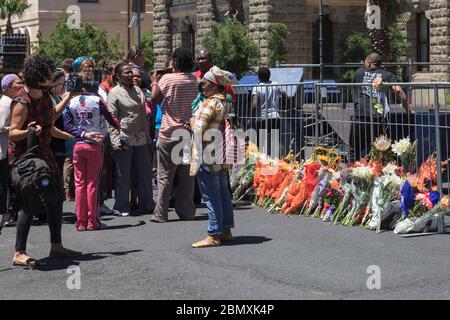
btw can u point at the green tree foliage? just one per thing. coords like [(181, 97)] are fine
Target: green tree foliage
[(231, 47), (147, 46), (71, 43), (357, 47), (278, 33), (399, 45), (11, 8)]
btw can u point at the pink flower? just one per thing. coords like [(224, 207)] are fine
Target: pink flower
[(427, 202)]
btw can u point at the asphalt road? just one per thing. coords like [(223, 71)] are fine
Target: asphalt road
[(272, 257)]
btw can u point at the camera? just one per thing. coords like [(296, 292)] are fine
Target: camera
[(75, 83)]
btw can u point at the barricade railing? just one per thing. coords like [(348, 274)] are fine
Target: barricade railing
[(341, 116), (408, 67)]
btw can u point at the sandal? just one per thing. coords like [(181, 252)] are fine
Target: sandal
[(208, 242), (30, 263)]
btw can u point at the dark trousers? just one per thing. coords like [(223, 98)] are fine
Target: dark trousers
[(54, 217), (360, 136), (270, 125), (3, 185)]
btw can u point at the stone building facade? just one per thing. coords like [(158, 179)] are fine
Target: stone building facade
[(186, 22), (112, 15)]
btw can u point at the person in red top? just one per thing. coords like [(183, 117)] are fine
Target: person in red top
[(33, 107), (204, 63)]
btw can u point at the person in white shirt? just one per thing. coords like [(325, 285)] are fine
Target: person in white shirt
[(266, 105), (11, 84)]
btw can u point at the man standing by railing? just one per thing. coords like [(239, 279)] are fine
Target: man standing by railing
[(368, 113)]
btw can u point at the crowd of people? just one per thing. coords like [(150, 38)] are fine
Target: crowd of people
[(121, 134), (116, 135)]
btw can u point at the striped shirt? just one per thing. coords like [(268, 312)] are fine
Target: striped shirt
[(212, 115), (179, 90)]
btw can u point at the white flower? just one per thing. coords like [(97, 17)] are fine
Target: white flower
[(393, 180), (404, 226), (401, 147), (363, 172), (390, 169)]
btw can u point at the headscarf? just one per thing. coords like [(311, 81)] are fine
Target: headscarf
[(79, 62), (217, 76), (8, 80)]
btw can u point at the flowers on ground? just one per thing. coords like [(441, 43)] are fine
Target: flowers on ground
[(375, 192)]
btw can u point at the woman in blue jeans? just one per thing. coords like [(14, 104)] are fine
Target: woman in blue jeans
[(210, 167)]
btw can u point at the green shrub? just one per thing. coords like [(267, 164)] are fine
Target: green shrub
[(231, 47)]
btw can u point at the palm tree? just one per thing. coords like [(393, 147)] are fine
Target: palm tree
[(389, 12), (11, 8), (380, 37)]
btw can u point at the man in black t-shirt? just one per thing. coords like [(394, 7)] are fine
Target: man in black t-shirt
[(373, 75)]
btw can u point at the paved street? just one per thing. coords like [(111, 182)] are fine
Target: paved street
[(273, 257)]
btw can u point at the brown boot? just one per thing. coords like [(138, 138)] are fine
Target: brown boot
[(209, 241)]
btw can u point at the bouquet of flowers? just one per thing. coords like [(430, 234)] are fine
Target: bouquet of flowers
[(361, 187), (244, 187), (427, 222), (280, 196), (317, 197), (346, 187), (406, 151), (332, 200), (386, 190)]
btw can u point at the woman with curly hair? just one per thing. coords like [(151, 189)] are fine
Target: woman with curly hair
[(33, 107)]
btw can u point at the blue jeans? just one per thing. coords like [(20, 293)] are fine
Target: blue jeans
[(215, 193)]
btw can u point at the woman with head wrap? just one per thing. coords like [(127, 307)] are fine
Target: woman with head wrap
[(82, 120), (211, 170), (11, 85)]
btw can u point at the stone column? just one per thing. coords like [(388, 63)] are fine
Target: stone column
[(205, 16), (162, 34), (439, 14), (259, 16)]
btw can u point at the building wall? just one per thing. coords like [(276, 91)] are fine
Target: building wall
[(109, 14), (301, 16)]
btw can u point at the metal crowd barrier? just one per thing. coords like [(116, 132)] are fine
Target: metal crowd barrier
[(323, 114)]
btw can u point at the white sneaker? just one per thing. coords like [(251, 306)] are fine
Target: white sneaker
[(120, 214), (105, 211)]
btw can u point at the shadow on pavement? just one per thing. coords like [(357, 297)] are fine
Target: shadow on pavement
[(54, 264), (201, 218), (124, 226), (239, 208), (243, 240)]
